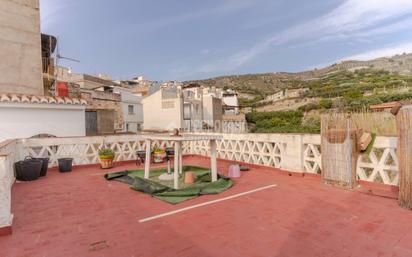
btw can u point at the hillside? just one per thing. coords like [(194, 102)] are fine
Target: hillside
[(269, 83), (292, 102)]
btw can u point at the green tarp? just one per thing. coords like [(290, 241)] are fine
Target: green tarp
[(164, 191)]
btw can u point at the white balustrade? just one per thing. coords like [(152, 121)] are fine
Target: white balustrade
[(8, 155), (312, 159), (293, 152), (381, 165)]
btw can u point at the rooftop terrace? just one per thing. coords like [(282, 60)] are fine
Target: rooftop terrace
[(280, 207), (82, 214)]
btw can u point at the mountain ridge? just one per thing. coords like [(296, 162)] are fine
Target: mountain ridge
[(271, 82)]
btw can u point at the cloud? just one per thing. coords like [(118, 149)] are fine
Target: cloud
[(225, 7), (381, 52), (349, 18)]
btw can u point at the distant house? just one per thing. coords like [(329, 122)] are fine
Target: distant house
[(163, 109), (138, 85), (206, 107), (231, 120), (131, 108), (230, 102), (111, 108), (192, 108), (103, 112)]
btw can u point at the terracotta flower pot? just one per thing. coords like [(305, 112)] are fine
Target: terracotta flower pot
[(159, 157), (189, 177), (106, 163)]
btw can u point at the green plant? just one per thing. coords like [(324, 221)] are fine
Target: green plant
[(158, 150), (325, 104), (281, 122), (106, 153)]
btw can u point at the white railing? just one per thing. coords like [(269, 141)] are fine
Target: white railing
[(9, 153), (312, 160), (282, 151), (292, 152), (84, 150), (381, 165)]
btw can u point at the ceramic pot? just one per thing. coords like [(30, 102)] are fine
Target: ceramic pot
[(189, 177)]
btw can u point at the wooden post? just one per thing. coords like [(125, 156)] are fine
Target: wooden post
[(213, 159), (147, 160), (404, 152)]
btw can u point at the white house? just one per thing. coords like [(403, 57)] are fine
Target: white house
[(163, 109), (229, 118), (230, 102), (132, 109)]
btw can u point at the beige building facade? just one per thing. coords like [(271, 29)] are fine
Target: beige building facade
[(20, 47)]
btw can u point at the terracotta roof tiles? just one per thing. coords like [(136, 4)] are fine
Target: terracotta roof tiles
[(40, 99)]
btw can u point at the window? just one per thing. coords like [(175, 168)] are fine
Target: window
[(127, 127), (187, 111), (131, 109)]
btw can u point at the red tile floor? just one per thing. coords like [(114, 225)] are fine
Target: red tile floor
[(82, 214)]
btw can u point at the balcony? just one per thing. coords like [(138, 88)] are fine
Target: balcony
[(278, 208), (101, 95), (48, 67)]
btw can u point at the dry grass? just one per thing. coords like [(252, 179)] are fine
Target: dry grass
[(381, 123)]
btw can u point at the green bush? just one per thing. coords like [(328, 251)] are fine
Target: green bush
[(325, 103), (281, 122)]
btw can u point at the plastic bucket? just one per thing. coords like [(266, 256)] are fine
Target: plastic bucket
[(65, 164), (28, 170), (44, 166)]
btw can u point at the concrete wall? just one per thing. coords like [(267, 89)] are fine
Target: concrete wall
[(9, 154), (23, 120), (208, 109), (212, 111), (20, 47), (159, 114)]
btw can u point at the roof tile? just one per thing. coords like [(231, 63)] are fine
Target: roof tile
[(24, 98)]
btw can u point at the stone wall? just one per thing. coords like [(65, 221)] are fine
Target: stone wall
[(114, 112), (20, 47)]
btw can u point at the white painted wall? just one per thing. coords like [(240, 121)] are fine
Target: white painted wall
[(231, 101), (212, 110), (135, 120), (162, 114), (24, 120), (9, 153)]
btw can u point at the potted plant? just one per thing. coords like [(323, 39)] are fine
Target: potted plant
[(106, 156), (158, 155)]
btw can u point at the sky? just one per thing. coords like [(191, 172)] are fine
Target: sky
[(196, 39)]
